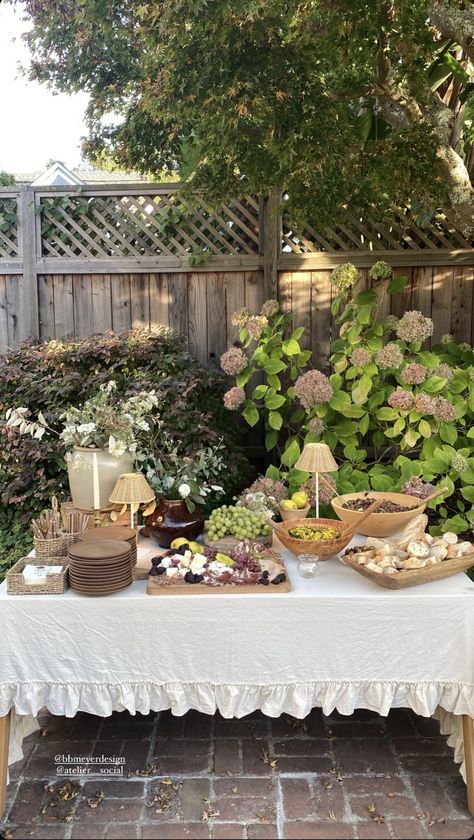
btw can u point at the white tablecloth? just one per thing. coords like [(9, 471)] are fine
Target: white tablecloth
[(336, 642)]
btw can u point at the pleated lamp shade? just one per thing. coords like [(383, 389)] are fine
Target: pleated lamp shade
[(131, 488), (316, 458)]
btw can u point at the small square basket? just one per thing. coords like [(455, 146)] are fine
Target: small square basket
[(55, 584)]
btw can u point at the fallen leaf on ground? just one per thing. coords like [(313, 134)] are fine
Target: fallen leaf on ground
[(332, 815), (95, 801), (269, 759)]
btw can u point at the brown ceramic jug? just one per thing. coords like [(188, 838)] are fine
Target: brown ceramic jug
[(172, 519)]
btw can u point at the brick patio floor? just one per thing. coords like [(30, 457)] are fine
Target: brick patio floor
[(205, 777)]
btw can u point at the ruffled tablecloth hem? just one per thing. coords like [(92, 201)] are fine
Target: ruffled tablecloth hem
[(446, 701)]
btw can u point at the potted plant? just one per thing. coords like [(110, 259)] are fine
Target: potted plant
[(183, 486), (101, 438)]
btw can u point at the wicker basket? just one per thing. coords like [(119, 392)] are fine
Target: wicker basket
[(57, 547), (55, 584), (323, 548)]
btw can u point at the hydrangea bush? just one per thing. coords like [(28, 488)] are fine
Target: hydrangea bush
[(395, 413)]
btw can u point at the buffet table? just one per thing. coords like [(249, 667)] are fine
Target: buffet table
[(336, 642)]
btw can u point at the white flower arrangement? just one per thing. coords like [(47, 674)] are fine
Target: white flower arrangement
[(105, 421)]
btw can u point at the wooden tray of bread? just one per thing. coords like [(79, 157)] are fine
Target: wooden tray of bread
[(414, 559), (248, 568)]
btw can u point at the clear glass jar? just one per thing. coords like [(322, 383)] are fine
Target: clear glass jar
[(308, 565)]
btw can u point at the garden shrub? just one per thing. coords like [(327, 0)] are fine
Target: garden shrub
[(391, 410), (52, 375)]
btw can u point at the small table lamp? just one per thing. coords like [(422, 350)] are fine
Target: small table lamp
[(131, 489), (316, 458)]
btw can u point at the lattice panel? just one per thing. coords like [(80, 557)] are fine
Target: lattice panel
[(137, 225), (356, 234), (9, 248)]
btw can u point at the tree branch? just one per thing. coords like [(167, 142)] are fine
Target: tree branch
[(454, 23)]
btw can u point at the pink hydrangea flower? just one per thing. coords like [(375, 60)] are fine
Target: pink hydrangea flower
[(401, 399), (239, 319), (270, 308), (233, 398), (390, 324), (361, 356), (413, 374), (414, 326), (316, 426), (233, 361), (444, 411), (389, 356), (325, 494), (445, 371), (313, 388), (256, 325), (424, 404)]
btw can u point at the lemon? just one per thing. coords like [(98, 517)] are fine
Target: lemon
[(288, 504), (300, 499)]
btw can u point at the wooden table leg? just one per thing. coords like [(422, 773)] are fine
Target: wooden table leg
[(4, 742), (468, 734)]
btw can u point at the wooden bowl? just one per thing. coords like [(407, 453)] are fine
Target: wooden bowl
[(292, 514), (324, 549), (379, 524)]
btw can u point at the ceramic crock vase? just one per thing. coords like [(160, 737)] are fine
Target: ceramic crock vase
[(80, 474), (172, 519)]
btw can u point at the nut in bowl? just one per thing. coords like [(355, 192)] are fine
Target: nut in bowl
[(324, 537), (402, 509)]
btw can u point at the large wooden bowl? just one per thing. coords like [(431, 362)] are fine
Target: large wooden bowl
[(379, 524), (324, 549)]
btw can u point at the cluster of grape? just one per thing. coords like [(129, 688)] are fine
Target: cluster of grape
[(239, 522)]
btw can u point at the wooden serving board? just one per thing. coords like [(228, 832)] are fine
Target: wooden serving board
[(153, 587), (414, 577)]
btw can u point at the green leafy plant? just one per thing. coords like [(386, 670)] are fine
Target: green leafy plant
[(390, 410), (51, 376)]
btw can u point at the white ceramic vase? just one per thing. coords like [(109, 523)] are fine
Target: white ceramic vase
[(80, 474)]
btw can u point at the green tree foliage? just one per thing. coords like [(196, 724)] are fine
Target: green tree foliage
[(6, 180), (367, 101)]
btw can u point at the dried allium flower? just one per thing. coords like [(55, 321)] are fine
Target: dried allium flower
[(233, 398), (444, 370), (256, 325), (459, 463), (390, 324), (401, 399), (313, 388), (316, 426), (233, 361), (380, 271), (270, 308), (447, 338), (417, 488), (361, 356), (239, 319), (424, 404), (414, 326), (345, 276), (444, 411), (413, 374), (389, 356)]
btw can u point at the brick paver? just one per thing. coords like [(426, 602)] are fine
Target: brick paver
[(362, 777)]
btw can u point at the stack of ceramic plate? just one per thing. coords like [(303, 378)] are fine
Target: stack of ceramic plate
[(100, 568), (113, 532)]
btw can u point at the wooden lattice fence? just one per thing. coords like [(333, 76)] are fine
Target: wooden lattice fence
[(74, 261)]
